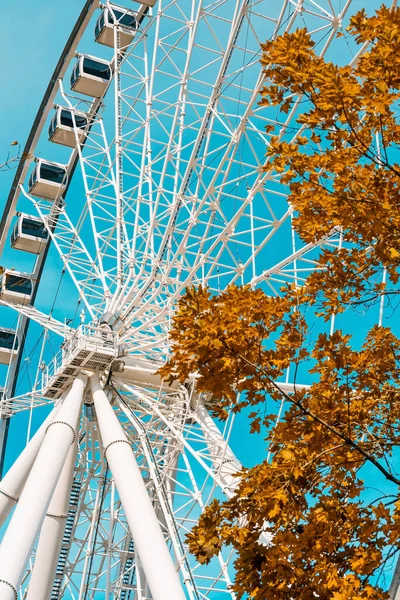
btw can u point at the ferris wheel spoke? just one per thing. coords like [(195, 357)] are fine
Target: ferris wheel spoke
[(103, 205), (44, 320), (201, 455), (199, 138), (159, 115), (200, 209), (208, 120), (227, 237), (235, 269)]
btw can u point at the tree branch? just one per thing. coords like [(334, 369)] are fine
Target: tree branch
[(312, 415)]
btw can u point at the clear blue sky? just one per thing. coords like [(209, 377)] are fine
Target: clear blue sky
[(33, 35)]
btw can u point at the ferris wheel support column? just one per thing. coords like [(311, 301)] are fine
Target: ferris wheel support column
[(219, 449), (220, 452), (51, 534), (144, 526), (20, 535), (13, 482)]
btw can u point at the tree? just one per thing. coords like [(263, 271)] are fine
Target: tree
[(328, 541)]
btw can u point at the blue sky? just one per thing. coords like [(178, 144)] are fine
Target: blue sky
[(30, 46)]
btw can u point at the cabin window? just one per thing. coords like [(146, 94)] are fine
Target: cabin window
[(34, 228), (125, 19), (8, 340), (32, 179), (14, 234), (75, 74), (16, 283), (53, 125), (66, 119), (52, 173), (92, 67), (99, 25)]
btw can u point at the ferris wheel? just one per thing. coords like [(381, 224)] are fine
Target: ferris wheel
[(149, 179)]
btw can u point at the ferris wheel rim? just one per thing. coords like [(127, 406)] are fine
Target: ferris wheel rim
[(88, 9), (89, 6)]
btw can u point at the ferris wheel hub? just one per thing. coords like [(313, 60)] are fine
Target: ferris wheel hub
[(88, 348)]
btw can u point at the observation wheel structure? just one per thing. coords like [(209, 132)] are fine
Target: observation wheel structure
[(148, 178)]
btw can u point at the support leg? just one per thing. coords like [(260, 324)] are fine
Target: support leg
[(51, 534), (12, 483), (143, 523), (29, 513)]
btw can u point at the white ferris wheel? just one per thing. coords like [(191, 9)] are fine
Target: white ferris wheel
[(142, 175)]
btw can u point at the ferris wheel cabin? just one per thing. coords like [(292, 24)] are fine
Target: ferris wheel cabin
[(48, 180), (90, 76), (127, 25), (61, 128), (8, 345), (15, 287), (29, 234)]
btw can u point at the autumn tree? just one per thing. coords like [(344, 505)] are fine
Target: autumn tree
[(328, 540)]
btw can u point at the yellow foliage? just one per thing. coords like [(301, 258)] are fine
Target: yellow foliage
[(327, 541)]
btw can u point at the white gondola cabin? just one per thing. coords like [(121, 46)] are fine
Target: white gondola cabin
[(8, 345), (48, 180), (15, 287), (127, 25), (61, 128), (29, 234), (90, 76)]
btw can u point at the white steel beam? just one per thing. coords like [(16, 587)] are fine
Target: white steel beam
[(42, 319), (51, 535), (13, 482), (143, 523), (20, 535), (225, 462), (10, 406)]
